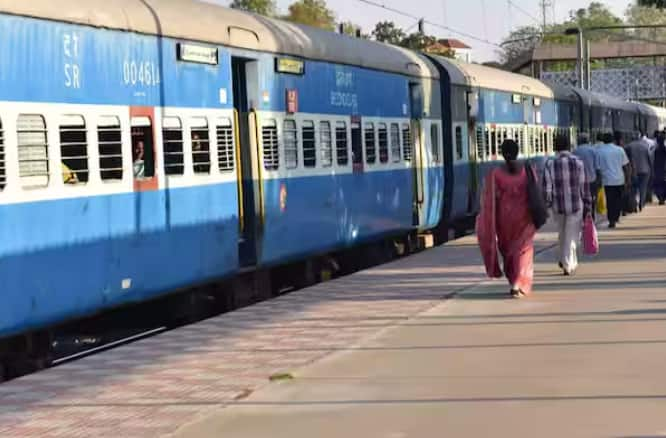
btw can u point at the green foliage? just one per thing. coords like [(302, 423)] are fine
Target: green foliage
[(647, 15), (388, 32), (522, 41), (349, 28), (263, 7), (652, 3), (313, 13)]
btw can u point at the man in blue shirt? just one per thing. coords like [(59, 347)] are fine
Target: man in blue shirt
[(615, 175), (641, 163), (588, 154)]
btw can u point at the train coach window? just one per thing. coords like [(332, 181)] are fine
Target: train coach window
[(383, 143), (3, 171), (33, 153), (326, 142), (480, 143), (459, 143), (492, 142), (434, 142), (290, 144), (110, 147), (200, 145), (370, 146), (74, 150), (341, 143), (271, 148), (143, 152), (309, 144), (395, 142), (357, 144), (172, 139), (224, 133), (406, 142)]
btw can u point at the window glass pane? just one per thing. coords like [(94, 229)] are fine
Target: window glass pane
[(200, 145), (434, 142), (406, 142), (383, 143), (3, 171), (459, 143), (290, 144), (74, 150), (225, 144), (172, 139), (326, 141), (143, 152), (395, 142), (357, 143), (480, 143), (110, 146), (269, 139), (309, 144), (33, 153), (341, 143), (370, 147)]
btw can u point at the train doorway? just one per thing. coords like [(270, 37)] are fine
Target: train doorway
[(416, 106), (248, 172)]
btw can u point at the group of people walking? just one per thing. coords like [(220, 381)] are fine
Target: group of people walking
[(516, 197)]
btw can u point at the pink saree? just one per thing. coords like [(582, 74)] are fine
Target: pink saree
[(504, 226)]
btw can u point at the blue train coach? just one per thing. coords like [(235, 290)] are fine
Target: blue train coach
[(152, 145)]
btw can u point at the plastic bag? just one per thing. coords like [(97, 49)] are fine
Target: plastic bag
[(601, 202), (590, 237)]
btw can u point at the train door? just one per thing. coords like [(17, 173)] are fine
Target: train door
[(250, 212), (472, 100), (416, 108)]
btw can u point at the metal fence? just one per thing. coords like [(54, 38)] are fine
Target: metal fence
[(635, 83)]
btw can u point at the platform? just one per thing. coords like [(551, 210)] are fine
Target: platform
[(424, 346)]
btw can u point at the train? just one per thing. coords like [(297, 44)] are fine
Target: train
[(151, 145)]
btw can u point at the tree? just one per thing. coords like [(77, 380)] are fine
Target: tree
[(388, 32), (655, 3), (313, 13), (349, 28), (647, 15), (520, 43), (263, 7), (523, 40)]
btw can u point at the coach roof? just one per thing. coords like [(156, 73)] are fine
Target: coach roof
[(198, 21)]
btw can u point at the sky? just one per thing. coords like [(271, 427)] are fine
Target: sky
[(464, 15)]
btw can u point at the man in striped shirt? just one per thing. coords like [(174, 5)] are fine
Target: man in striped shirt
[(567, 192)]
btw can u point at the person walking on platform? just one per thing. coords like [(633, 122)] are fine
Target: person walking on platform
[(588, 154), (505, 225), (615, 176), (659, 169), (641, 163), (568, 194)]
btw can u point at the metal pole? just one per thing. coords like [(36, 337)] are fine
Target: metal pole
[(588, 64), (580, 60)]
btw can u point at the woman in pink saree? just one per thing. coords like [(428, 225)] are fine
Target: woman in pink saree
[(504, 225)]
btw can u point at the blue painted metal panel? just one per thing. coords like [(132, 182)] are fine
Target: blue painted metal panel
[(497, 107), (67, 258), (335, 89), (330, 212), (58, 62)]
